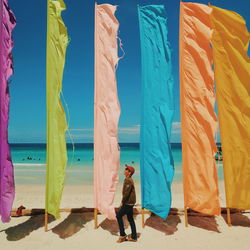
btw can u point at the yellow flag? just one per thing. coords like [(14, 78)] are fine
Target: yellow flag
[(57, 40), (232, 75)]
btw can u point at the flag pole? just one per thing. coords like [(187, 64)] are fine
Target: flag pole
[(95, 218), (46, 212), (186, 216), (228, 217), (46, 221), (181, 65), (142, 217), (95, 117)]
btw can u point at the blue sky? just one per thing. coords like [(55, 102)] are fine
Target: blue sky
[(28, 86)]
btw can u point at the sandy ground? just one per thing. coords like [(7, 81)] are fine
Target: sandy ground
[(76, 231)]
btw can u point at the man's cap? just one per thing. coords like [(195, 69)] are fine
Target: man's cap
[(130, 168)]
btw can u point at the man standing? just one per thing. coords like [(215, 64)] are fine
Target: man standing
[(127, 204)]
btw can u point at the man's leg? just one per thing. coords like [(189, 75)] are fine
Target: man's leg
[(119, 216), (131, 222)]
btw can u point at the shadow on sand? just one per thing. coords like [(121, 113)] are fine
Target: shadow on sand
[(112, 225), (168, 226), (238, 219), (205, 222), (72, 224), (22, 230)]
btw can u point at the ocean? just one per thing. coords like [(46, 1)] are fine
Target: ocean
[(30, 162)]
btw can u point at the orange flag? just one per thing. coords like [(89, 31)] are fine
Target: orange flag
[(232, 74), (198, 119)]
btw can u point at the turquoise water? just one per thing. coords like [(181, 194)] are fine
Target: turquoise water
[(30, 159)]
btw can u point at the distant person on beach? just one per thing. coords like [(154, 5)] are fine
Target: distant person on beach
[(127, 204)]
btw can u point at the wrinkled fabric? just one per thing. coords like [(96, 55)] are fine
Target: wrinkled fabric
[(198, 119), (57, 40), (232, 76), (156, 166), (106, 110), (7, 185)]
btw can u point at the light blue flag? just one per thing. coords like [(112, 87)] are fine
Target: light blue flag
[(157, 165)]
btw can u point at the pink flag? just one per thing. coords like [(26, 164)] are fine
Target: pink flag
[(107, 110), (7, 186)]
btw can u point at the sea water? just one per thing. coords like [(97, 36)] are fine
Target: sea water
[(30, 162)]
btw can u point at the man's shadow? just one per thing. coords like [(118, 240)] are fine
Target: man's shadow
[(168, 226), (22, 230), (112, 225), (72, 224)]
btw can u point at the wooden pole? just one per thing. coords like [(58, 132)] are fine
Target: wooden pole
[(186, 217), (142, 218), (95, 218), (228, 217), (37, 211), (46, 221)]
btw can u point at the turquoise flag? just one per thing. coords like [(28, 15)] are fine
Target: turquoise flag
[(157, 165)]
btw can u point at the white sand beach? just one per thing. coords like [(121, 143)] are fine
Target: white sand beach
[(76, 230)]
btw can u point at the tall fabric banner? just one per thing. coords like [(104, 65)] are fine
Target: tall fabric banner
[(7, 186), (232, 74), (198, 119), (157, 166), (106, 110), (57, 40)]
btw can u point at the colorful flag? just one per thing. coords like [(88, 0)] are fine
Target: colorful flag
[(7, 186), (57, 41), (106, 110), (198, 119), (157, 166), (232, 76)]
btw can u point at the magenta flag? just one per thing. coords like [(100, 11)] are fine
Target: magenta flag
[(107, 110), (7, 186)]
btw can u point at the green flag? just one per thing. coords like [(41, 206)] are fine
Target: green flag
[(57, 40)]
